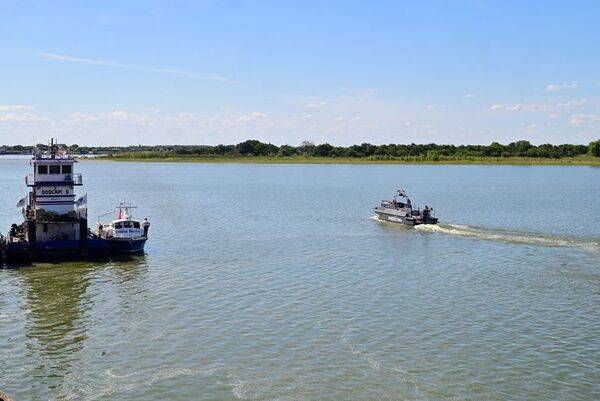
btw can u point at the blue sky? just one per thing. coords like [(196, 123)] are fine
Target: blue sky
[(344, 72)]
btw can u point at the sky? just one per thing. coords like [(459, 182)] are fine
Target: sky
[(343, 72)]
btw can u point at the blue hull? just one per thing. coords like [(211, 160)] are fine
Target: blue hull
[(49, 250), (127, 246), (16, 253)]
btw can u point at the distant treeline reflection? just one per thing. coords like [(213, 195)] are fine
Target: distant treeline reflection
[(412, 151)]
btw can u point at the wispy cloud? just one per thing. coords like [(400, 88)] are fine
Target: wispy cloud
[(540, 107), (315, 105), (252, 116), (561, 87), (107, 63), (585, 120), (21, 118), (13, 107), (345, 119)]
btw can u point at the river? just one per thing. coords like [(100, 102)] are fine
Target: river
[(275, 282)]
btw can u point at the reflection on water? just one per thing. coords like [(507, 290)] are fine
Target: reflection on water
[(58, 301)]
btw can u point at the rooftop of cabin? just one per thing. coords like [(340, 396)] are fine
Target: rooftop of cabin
[(56, 154), (48, 160)]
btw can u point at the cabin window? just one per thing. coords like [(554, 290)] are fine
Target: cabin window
[(127, 224), (42, 169), (55, 169), (118, 226), (67, 169), (136, 224)]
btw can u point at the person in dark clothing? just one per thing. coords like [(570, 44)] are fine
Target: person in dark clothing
[(146, 226)]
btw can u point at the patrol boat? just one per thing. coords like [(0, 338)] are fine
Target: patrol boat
[(125, 234), (400, 210), (55, 224)]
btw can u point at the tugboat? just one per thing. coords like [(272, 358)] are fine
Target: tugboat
[(400, 210), (125, 234), (55, 224)]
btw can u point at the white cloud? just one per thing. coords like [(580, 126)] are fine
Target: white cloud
[(12, 107), (106, 63), (585, 120), (561, 87), (470, 96), (114, 117), (21, 118), (78, 118), (540, 107), (344, 119), (186, 119), (570, 104), (252, 116), (314, 105), (430, 107)]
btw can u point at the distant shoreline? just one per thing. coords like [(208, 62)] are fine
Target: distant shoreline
[(524, 161)]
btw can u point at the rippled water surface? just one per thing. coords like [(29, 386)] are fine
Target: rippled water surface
[(275, 282)]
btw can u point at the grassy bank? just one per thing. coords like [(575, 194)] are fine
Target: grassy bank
[(154, 157)]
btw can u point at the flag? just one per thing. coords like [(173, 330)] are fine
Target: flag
[(81, 201), (22, 202)]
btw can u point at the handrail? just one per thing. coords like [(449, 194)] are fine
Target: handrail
[(73, 179), (102, 215)]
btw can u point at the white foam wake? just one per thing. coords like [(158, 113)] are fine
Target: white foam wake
[(514, 237)]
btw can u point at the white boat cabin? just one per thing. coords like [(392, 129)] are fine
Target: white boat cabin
[(125, 226)]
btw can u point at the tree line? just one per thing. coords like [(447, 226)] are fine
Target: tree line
[(250, 148)]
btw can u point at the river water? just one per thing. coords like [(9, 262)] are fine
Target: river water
[(275, 282)]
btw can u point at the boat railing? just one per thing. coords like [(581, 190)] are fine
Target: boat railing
[(67, 179)]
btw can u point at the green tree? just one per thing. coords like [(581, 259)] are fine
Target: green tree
[(594, 148), (287, 150), (307, 148), (323, 150)]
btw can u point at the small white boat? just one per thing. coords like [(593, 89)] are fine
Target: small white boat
[(124, 234), (400, 210)]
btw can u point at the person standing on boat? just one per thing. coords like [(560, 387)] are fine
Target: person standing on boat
[(146, 226)]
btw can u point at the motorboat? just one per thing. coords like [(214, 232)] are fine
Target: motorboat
[(400, 210), (123, 234)]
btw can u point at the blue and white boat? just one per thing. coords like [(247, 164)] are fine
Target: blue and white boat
[(124, 234), (55, 223)]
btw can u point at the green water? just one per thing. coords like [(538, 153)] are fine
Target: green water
[(275, 282)]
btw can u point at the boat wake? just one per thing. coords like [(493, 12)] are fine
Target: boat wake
[(511, 237)]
